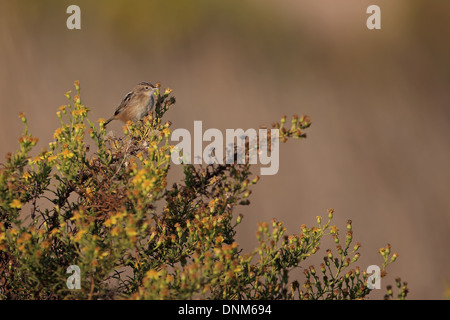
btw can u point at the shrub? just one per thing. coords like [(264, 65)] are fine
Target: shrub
[(109, 211)]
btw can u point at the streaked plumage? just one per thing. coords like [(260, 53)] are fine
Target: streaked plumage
[(136, 104)]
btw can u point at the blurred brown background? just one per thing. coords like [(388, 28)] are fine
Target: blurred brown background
[(377, 151)]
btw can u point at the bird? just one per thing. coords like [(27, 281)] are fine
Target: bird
[(136, 104)]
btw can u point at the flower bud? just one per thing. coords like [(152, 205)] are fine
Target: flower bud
[(283, 120), (389, 290), (22, 117), (349, 225), (349, 237), (394, 257), (398, 282), (312, 270), (388, 249), (335, 238), (306, 272), (330, 213), (347, 262), (330, 255), (322, 268)]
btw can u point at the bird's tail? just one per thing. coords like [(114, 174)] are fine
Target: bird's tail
[(108, 121)]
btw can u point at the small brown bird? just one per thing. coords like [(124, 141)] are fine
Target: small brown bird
[(136, 104)]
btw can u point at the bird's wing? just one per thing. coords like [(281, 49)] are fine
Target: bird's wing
[(123, 103)]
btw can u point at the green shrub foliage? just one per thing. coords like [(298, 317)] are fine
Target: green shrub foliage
[(102, 203)]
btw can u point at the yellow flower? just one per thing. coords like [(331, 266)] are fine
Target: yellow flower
[(81, 111), (51, 158), (117, 217), (79, 139), (79, 127), (108, 223), (169, 278), (77, 215), (153, 274), (334, 230), (35, 160), (33, 140), (146, 185), (80, 234), (57, 133), (139, 176), (16, 204), (24, 238), (26, 176), (67, 154), (115, 231), (131, 232), (315, 229), (166, 132)]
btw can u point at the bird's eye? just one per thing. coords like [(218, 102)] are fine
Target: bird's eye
[(146, 88)]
